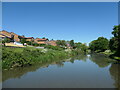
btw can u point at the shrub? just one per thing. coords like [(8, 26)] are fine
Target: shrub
[(20, 57)]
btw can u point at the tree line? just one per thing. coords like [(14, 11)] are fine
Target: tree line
[(102, 44)]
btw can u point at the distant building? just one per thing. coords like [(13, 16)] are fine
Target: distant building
[(40, 41), (2, 36), (27, 38), (16, 38), (12, 36), (52, 42)]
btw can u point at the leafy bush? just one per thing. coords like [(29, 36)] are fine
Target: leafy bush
[(20, 57), (53, 47)]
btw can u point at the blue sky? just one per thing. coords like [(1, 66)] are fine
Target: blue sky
[(81, 21)]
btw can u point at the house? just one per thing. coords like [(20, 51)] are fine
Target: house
[(17, 38), (27, 38), (2, 36), (40, 41), (5, 33), (12, 36), (52, 42)]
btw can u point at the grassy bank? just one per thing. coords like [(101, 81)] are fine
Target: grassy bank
[(21, 57), (110, 54)]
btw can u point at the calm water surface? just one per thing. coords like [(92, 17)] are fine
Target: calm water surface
[(83, 71)]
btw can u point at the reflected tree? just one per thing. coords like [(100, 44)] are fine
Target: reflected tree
[(100, 60), (72, 59), (82, 57), (60, 64), (115, 73), (7, 74)]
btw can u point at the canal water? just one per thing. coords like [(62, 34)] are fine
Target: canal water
[(83, 71)]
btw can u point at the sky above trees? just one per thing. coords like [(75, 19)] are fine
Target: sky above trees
[(82, 22)]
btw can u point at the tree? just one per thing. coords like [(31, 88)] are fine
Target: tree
[(43, 38), (61, 43), (35, 44), (72, 43), (12, 38), (77, 45), (29, 42), (6, 40), (99, 45), (23, 40), (93, 45), (84, 47), (113, 44), (115, 41)]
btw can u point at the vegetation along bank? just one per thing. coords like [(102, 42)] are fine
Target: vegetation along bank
[(110, 47)]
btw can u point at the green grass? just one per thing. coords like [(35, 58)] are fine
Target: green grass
[(116, 58), (21, 57)]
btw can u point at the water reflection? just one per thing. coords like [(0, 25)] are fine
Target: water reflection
[(115, 74), (81, 57), (18, 72), (99, 60), (60, 64)]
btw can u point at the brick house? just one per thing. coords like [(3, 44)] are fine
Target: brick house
[(40, 41), (2, 36), (27, 38), (10, 35), (52, 42), (16, 37)]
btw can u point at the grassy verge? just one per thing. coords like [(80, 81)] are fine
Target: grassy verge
[(110, 54), (21, 57)]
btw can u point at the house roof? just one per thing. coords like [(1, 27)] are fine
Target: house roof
[(3, 35), (42, 39), (7, 34), (29, 37)]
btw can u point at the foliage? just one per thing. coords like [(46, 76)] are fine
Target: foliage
[(35, 44), (42, 45), (12, 38), (23, 40), (6, 40), (113, 44), (20, 57), (116, 31), (107, 52), (72, 43), (78, 45), (99, 45), (61, 43), (43, 38), (84, 47), (115, 41), (53, 47), (29, 42)]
